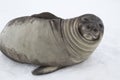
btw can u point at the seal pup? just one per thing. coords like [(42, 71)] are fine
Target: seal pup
[(50, 41)]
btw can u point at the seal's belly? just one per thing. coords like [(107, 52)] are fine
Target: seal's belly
[(30, 42)]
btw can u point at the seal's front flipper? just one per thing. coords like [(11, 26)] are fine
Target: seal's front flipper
[(44, 70), (45, 15)]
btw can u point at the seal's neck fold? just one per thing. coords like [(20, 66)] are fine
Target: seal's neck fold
[(76, 45)]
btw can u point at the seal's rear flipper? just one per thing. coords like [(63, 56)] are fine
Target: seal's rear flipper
[(44, 70)]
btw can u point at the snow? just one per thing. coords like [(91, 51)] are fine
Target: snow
[(103, 64)]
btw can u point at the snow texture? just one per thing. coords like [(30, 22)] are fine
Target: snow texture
[(103, 64)]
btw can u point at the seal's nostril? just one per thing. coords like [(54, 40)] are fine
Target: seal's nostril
[(95, 30), (88, 27)]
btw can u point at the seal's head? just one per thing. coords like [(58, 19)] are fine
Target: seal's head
[(90, 27)]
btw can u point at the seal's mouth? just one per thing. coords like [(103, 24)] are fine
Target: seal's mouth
[(90, 37)]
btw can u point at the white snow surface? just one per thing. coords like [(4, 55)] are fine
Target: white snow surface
[(103, 64)]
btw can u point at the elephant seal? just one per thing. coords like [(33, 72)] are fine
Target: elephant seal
[(50, 41)]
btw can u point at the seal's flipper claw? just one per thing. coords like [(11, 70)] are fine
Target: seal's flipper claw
[(44, 70)]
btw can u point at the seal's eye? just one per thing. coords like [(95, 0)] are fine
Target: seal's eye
[(101, 26), (85, 19)]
